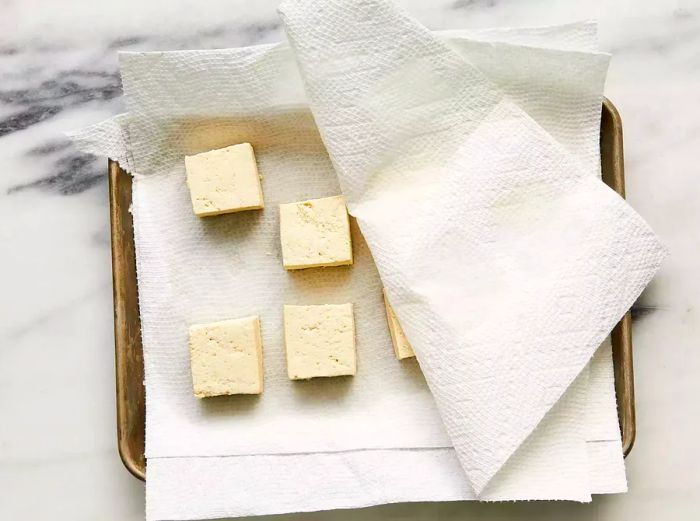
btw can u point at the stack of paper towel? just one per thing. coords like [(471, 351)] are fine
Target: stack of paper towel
[(470, 160)]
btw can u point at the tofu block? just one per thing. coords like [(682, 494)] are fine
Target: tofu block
[(315, 233), (225, 180), (320, 341), (402, 349), (226, 357)]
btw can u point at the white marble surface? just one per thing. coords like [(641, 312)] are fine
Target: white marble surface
[(58, 71)]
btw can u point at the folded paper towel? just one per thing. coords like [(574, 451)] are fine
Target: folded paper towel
[(184, 101), (505, 259)]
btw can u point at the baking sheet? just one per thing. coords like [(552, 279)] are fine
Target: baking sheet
[(129, 356)]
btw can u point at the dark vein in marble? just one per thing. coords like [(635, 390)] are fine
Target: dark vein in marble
[(222, 36), (28, 117), (89, 74), (468, 4), (73, 174), (49, 148), (248, 34), (259, 30), (8, 51), (66, 89), (126, 42), (640, 311)]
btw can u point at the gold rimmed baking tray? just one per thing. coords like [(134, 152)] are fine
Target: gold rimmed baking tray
[(131, 403)]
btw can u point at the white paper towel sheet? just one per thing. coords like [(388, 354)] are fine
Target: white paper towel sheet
[(505, 312), (192, 270), (243, 273), (194, 488), (199, 488)]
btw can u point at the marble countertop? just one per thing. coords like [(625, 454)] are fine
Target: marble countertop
[(58, 72)]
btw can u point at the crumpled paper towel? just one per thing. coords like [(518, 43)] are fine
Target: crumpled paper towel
[(506, 261), (190, 101)]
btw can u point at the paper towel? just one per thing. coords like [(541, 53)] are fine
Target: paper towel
[(276, 88), (387, 405), (196, 488), (506, 261), (172, 121)]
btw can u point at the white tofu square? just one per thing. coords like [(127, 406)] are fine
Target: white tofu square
[(402, 348), (315, 233), (320, 341), (226, 357), (224, 180)]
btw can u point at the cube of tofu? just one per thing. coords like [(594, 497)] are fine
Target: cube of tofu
[(226, 357), (315, 233), (320, 341), (402, 349), (224, 180)]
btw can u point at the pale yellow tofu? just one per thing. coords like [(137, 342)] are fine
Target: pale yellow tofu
[(226, 357), (225, 180), (402, 348), (315, 233), (320, 341)]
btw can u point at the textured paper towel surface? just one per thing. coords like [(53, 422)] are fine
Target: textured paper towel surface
[(386, 405), (193, 488), (163, 486), (550, 259), (177, 112), (198, 488)]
